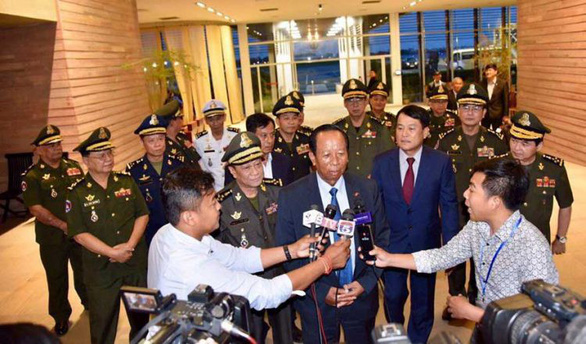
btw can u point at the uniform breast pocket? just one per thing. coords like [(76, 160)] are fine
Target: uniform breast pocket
[(124, 206)]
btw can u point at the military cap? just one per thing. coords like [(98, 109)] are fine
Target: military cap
[(151, 125), (354, 88), (214, 108), (99, 140), (526, 126), (48, 135), (437, 72), (439, 93), (379, 88), (171, 110), (243, 148), (473, 93), (299, 96), (287, 104)]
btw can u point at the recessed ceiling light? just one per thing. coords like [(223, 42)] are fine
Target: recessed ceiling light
[(211, 9), (233, 20), (220, 13), (226, 17), (201, 4)]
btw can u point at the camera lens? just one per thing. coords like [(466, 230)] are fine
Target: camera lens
[(532, 327)]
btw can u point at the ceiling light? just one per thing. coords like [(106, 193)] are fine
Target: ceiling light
[(211, 9), (233, 20), (220, 14), (226, 17), (413, 3), (201, 4)]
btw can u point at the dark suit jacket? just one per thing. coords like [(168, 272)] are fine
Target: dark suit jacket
[(452, 100), (498, 104), (281, 170), (298, 198), (418, 226)]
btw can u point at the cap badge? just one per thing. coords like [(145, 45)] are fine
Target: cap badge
[(353, 85), (440, 89), (213, 105), (50, 130), (524, 120), (102, 134), (380, 86), (154, 120), (296, 95), (472, 90), (288, 101), (245, 141)]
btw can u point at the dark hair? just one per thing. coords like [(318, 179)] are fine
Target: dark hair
[(258, 120), (183, 189), (26, 333), (322, 129), (416, 112), (505, 178), (491, 66)]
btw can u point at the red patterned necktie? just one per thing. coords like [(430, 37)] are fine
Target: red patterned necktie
[(409, 181)]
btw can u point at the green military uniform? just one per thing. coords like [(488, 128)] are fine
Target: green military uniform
[(248, 222), (298, 148), (109, 215), (547, 175), (307, 130), (388, 119), (47, 186), (440, 124), (181, 146)]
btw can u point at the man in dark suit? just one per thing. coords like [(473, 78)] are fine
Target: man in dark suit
[(418, 189), (275, 165), (348, 297), (457, 84), (498, 98)]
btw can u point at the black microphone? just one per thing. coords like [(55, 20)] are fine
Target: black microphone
[(364, 229), (346, 224), (312, 246), (329, 213)]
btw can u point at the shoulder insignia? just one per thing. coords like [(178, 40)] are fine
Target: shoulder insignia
[(506, 155), (452, 112), (377, 120), (74, 184), (27, 170), (444, 134), (339, 120), (499, 135), (131, 164), (124, 173), (179, 158), (200, 134), (272, 181), (554, 159), (234, 130), (224, 194), (303, 132)]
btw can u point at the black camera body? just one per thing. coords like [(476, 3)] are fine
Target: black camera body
[(544, 313), (200, 317)]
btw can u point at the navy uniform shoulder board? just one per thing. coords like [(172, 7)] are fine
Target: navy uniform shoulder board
[(74, 184), (444, 134), (339, 120), (123, 173), (499, 135), (131, 164), (28, 169), (554, 159), (224, 194), (234, 130), (200, 134), (273, 181)]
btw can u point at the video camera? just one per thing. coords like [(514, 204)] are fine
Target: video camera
[(205, 316)]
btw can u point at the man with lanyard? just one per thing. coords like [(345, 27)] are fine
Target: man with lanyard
[(289, 140), (212, 144), (378, 94), (148, 171), (177, 143), (249, 216), (441, 119), (44, 186), (468, 144), (367, 135), (547, 175), (301, 99), (107, 215), (507, 248)]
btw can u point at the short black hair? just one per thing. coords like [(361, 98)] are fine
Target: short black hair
[(258, 120), (183, 189), (505, 178), (492, 66), (416, 112), (324, 128), (26, 333)]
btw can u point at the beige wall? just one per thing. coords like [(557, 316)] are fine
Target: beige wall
[(35, 9), (552, 73)]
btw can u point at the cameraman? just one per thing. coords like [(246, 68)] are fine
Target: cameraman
[(507, 249), (183, 254)]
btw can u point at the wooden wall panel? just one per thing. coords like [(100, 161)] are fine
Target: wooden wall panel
[(552, 69)]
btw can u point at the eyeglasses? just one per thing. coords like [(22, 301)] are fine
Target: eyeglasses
[(103, 155), (470, 107), (355, 100)]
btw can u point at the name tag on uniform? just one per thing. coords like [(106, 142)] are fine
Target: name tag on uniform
[(122, 193), (209, 151), (485, 152), (302, 149)]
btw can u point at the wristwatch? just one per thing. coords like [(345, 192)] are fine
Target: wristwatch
[(561, 239)]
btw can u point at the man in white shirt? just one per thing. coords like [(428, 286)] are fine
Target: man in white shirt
[(183, 255)]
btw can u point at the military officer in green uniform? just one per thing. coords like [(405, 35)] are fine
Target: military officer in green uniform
[(378, 94), (547, 175), (442, 119), (44, 187), (248, 218), (466, 145), (289, 140), (178, 143), (368, 136), (148, 171), (107, 215), (307, 130)]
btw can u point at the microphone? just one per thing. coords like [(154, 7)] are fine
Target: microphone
[(346, 224), (316, 218), (328, 222), (364, 229)]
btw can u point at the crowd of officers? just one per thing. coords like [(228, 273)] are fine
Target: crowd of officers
[(103, 221)]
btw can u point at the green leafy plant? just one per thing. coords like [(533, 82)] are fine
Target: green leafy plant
[(502, 50)]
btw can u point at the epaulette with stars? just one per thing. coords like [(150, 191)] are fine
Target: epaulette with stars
[(200, 134), (27, 170), (377, 120), (74, 184), (179, 158), (124, 173), (444, 134), (499, 135), (223, 195), (339, 120), (234, 130), (273, 181), (554, 159), (131, 164)]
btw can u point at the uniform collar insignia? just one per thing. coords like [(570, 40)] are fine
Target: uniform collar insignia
[(263, 187), (238, 196), (236, 215), (541, 167), (89, 185), (459, 137), (46, 176), (42, 166), (145, 167), (115, 178), (481, 138), (174, 151), (90, 197)]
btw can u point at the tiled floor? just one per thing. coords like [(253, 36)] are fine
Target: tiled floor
[(23, 292)]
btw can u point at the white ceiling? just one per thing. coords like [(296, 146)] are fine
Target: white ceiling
[(249, 11)]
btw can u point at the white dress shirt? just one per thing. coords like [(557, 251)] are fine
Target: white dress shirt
[(343, 204), (267, 166), (404, 165), (211, 152), (490, 87), (179, 262)]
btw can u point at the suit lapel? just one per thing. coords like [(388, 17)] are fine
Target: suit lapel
[(395, 173)]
